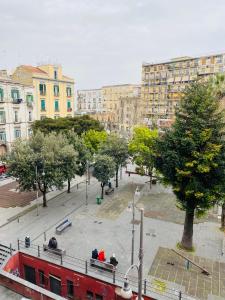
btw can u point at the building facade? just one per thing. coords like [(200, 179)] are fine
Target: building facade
[(89, 101), (53, 91), (163, 84), (17, 111), (112, 96)]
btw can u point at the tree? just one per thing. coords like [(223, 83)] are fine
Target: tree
[(36, 163), (94, 139), (142, 149), (78, 124), (191, 155), (116, 148), (104, 169)]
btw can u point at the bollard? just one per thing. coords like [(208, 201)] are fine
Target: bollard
[(180, 295), (44, 236), (86, 267), (145, 286), (10, 246), (18, 244), (38, 251), (114, 276), (61, 259)]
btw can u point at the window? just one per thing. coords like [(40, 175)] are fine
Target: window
[(17, 133), (42, 88), (55, 74), (43, 108), (30, 131), (56, 105), (30, 116), (2, 117), (15, 94), (29, 99), (16, 119), (1, 94), (70, 291), (90, 295), (56, 90), (68, 91), (55, 284), (29, 274), (41, 277), (98, 297), (2, 136)]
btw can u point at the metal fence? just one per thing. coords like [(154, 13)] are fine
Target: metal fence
[(117, 278)]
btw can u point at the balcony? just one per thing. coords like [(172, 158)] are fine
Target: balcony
[(69, 109), (17, 101), (2, 120)]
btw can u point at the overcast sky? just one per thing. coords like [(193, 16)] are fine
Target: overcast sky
[(101, 42)]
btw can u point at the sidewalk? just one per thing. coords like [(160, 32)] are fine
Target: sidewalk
[(10, 214)]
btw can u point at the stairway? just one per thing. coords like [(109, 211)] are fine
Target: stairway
[(4, 253)]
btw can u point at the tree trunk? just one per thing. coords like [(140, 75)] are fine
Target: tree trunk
[(223, 217), (44, 198), (187, 238), (150, 181), (117, 171), (68, 187), (102, 186)]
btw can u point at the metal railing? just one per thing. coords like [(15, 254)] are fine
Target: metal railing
[(77, 264)]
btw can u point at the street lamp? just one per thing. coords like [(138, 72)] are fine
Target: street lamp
[(36, 175), (126, 292), (136, 194), (87, 181)]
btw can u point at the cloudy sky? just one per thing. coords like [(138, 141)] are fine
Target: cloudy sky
[(101, 42)]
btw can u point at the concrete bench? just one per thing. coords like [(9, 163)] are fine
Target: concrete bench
[(102, 265), (109, 191), (62, 226), (57, 251)]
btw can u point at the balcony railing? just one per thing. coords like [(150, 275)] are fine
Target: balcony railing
[(17, 101)]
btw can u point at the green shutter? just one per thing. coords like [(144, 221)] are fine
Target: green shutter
[(42, 104), (68, 104), (1, 94), (56, 105)]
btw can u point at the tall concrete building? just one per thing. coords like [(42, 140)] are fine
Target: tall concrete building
[(164, 82), (53, 91), (89, 101), (17, 111)]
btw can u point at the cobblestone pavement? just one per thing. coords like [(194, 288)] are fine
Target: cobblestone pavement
[(160, 203), (170, 267)]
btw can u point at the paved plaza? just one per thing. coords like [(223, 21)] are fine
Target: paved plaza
[(109, 226)]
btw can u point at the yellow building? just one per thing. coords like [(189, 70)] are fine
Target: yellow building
[(164, 82), (112, 95), (53, 91)]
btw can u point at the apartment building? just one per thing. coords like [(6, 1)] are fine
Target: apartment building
[(53, 91), (112, 96), (164, 82), (89, 101), (17, 109)]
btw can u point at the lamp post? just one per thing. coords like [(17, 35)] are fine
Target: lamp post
[(87, 182), (36, 175), (126, 292), (136, 194)]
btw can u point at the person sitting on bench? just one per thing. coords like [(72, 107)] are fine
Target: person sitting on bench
[(52, 243), (94, 254), (101, 255), (113, 260)]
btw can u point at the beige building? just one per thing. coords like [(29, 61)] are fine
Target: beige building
[(17, 109), (115, 98), (89, 101), (53, 91), (164, 82)]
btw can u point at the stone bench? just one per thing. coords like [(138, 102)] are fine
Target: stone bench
[(102, 265), (57, 251), (62, 226)]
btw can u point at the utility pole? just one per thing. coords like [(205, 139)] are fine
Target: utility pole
[(87, 181), (141, 255)]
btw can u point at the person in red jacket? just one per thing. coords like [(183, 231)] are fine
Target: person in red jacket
[(101, 255)]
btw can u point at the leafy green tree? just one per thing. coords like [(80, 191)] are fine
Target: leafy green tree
[(191, 155), (142, 149), (117, 148), (38, 162), (94, 139), (104, 169), (78, 124)]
